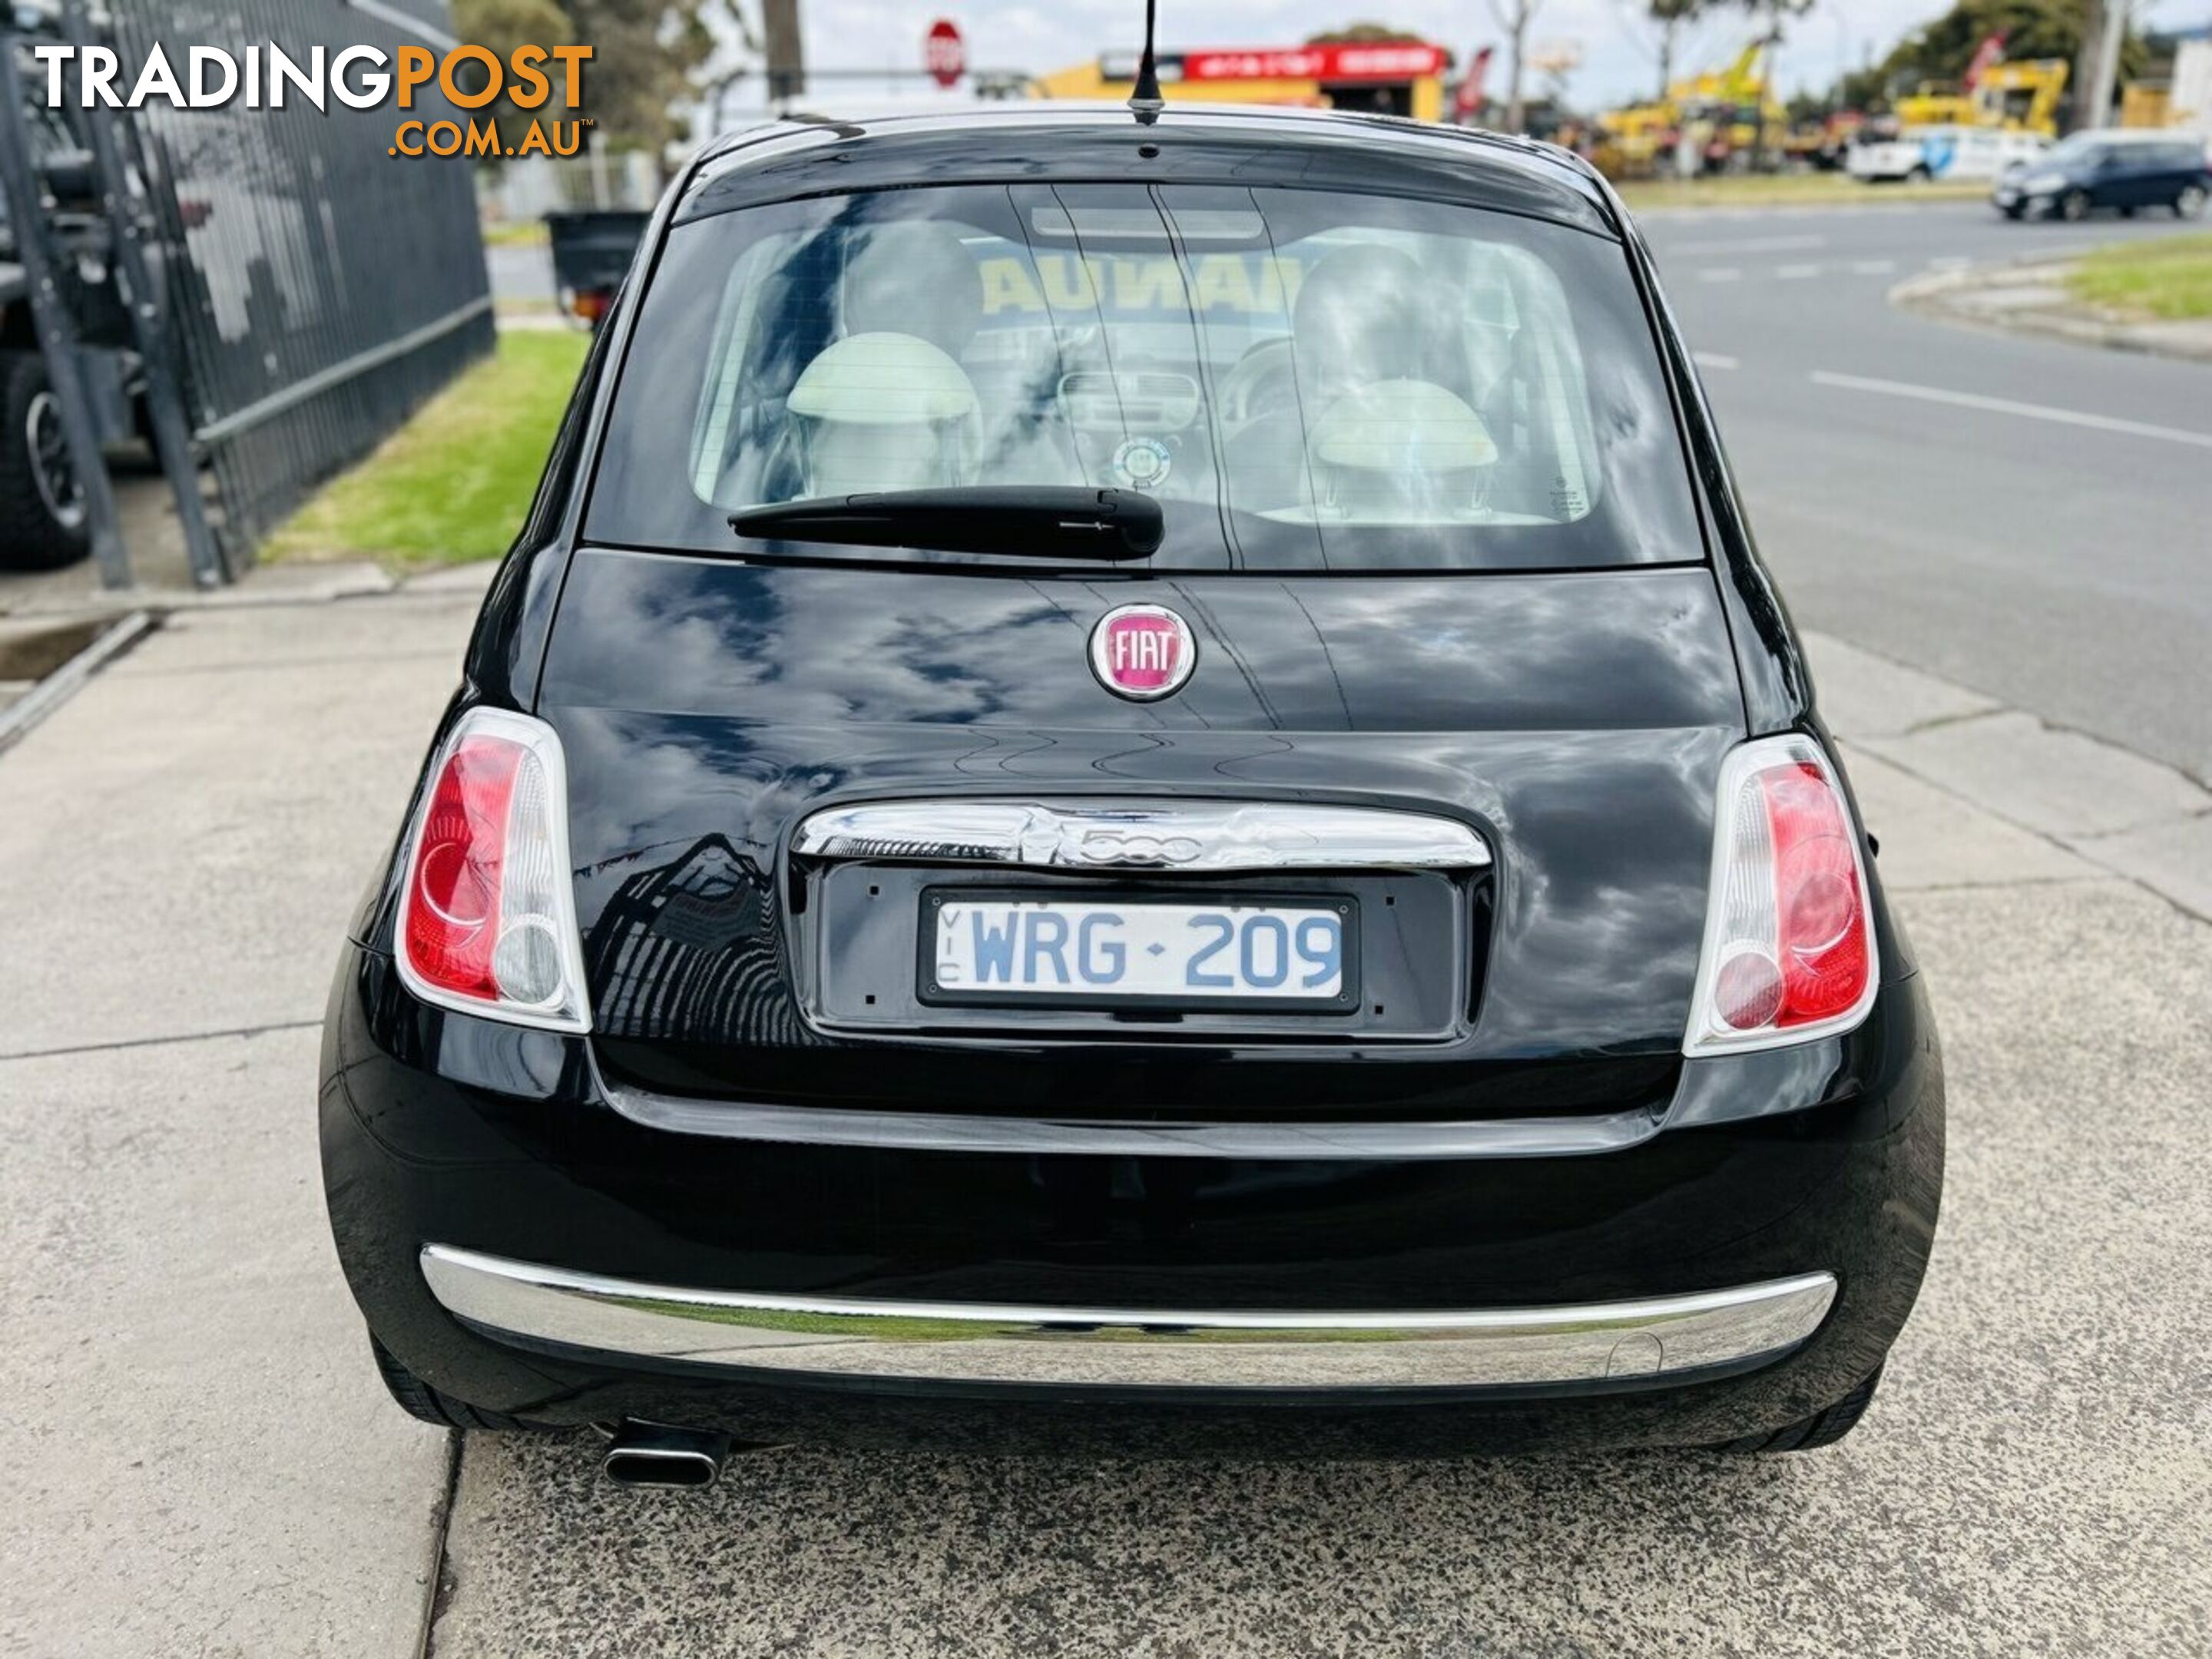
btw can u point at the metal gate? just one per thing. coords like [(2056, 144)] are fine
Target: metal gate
[(327, 287)]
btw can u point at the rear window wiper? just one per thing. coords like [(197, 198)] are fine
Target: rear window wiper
[(1027, 522)]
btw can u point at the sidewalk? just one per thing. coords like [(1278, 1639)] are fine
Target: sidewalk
[(2031, 296), (205, 1461)]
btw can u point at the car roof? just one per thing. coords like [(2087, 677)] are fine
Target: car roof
[(1039, 141)]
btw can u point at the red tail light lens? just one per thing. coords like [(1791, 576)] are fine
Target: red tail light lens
[(487, 922), (1788, 952)]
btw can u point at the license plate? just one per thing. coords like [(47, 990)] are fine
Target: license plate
[(1289, 954)]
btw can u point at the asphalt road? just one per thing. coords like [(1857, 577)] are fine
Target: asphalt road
[(522, 276), (2040, 552)]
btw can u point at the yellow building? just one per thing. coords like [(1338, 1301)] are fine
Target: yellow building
[(1388, 78)]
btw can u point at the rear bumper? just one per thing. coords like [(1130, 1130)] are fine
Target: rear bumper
[(590, 1267), (1622, 1343)]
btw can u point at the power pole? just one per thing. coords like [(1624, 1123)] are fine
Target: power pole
[(2097, 65), (786, 51), (2108, 60)]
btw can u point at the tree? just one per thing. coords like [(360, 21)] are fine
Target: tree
[(502, 26), (1670, 15), (1363, 34), (1938, 53), (1514, 17), (645, 53)]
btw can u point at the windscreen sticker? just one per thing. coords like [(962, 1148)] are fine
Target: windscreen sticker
[(1143, 463), (1137, 287)]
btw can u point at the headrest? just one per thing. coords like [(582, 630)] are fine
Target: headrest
[(884, 379), (1406, 428), (1362, 314), (914, 276)]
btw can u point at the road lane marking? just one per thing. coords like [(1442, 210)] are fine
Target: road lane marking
[(1746, 245), (1715, 360), (1796, 273), (1929, 394), (1724, 274)]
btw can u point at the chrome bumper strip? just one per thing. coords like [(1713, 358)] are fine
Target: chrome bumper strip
[(830, 1126), (1140, 834), (963, 1342)]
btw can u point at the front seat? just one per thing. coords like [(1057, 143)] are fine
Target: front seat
[(1361, 317), (887, 405), (1384, 440), (886, 411)]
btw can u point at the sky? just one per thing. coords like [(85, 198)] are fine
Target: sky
[(1617, 46)]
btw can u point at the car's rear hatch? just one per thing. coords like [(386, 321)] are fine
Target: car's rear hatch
[(1576, 722), (1418, 497)]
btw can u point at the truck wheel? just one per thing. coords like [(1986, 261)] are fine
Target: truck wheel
[(42, 513), (419, 1400), (1822, 1428)]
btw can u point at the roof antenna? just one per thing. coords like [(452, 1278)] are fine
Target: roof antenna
[(1146, 102)]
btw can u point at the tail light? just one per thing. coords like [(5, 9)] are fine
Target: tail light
[(487, 919), (1788, 953)]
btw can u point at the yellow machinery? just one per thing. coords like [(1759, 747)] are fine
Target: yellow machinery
[(2021, 97), (1724, 102), (2146, 105)]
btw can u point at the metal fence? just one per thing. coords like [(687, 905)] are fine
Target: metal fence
[(328, 287)]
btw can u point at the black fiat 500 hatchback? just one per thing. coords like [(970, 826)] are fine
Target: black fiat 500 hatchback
[(1135, 788)]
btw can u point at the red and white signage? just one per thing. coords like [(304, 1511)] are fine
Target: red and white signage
[(944, 53), (1389, 60), (1142, 651)]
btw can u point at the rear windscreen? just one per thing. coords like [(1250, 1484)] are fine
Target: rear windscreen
[(1305, 379)]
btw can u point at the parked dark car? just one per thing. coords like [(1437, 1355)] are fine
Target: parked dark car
[(44, 521), (1134, 786), (2125, 171), (592, 253)]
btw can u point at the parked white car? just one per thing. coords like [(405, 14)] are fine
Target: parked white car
[(1941, 152)]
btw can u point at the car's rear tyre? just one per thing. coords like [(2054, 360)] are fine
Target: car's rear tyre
[(2073, 205), (419, 1400), (1822, 1428), (2190, 205), (43, 522)]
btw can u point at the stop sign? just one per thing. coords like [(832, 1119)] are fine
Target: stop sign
[(944, 53)]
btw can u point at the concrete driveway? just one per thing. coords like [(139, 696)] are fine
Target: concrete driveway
[(203, 1461)]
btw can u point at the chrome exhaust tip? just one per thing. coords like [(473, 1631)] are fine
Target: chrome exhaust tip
[(662, 1454)]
